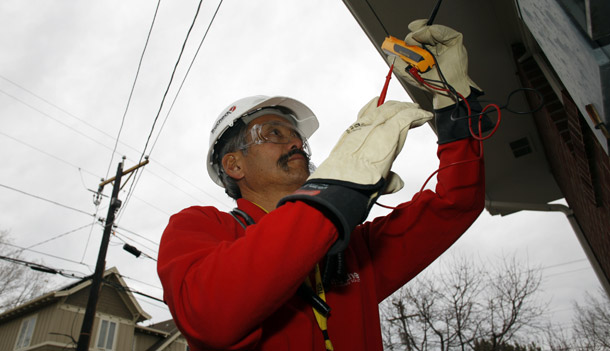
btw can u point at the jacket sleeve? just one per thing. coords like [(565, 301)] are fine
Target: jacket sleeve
[(413, 235), (221, 287)]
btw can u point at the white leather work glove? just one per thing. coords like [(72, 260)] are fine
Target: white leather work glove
[(447, 47), (347, 183), (365, 152)]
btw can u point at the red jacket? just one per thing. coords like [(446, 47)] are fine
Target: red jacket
[(233, 289)]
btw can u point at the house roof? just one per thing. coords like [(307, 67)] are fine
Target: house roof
[(172, 333), (167, 326), (53, 296)]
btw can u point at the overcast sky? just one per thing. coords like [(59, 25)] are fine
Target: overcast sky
[(66, 72)]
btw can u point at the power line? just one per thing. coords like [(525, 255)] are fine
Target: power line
[(171, 79), (186, 75), (563, 263), (137, 176), (138, 235), (79, 168), (142, 282), (169, 84), (60, 109), (134, 251), (48, 154), (42, 253), (47, 269), (153, 206), (59, 236), (82, 180), (67, 113), (97, 176), (56, 120), (569, 272), (91, 173), (161, 307), (190, 183), (120, 235), (63, 124), (126, 288), (173, 185), (117, 140), (39, 267), (133, 86), (47, 200), (89, 236)]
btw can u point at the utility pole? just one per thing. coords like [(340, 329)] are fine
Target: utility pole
[(84, 338)]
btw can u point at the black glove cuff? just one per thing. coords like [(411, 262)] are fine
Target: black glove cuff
[(452, 121), (346, 204)]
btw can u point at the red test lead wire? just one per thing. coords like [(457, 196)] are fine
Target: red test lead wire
[(415, 74), (478, 137), (385, 86)]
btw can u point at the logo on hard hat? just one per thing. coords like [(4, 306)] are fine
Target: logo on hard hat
[(231, 110)]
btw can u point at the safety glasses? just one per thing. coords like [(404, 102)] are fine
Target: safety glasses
[(276, 132)]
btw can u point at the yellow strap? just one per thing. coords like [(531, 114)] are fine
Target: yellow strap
[(322, 320), (261, 207)]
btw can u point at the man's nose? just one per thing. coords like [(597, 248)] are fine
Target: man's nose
[(296, 143)]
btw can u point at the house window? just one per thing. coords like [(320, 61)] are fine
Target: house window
[(106, 335), (25, 332)]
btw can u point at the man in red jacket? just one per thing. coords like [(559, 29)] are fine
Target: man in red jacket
[(293, 267)]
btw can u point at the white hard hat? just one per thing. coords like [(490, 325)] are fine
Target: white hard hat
[(304, 119)]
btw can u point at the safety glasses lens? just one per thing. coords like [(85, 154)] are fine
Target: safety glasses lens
[(278, 133)]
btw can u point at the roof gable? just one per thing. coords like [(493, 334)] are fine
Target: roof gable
[(114, 288)]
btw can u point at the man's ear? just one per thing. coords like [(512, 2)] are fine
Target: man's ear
[(231, 163)]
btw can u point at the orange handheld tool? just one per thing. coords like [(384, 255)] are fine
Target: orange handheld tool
[(417, 58), (414, 56)]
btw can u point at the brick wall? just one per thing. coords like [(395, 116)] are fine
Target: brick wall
[(579, 164)]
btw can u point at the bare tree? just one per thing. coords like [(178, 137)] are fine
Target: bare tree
[(462, 304), (590, 329), (558, 338), (18, 283), (512, 303), (592, 323)]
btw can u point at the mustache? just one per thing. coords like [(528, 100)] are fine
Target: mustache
[(283, 160)]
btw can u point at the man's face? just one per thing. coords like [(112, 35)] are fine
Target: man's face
[(274, 164)]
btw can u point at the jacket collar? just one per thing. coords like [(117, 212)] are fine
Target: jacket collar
[(251, 209)]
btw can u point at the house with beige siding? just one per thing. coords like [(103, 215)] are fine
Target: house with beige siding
[(53, 321)]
